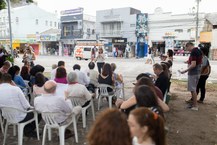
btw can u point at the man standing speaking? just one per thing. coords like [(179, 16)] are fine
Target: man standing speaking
[(194, 67)]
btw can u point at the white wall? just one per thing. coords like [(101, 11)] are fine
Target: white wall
[(214, 39), (89, 22), (161, 23), (121, 15), (27, 16)]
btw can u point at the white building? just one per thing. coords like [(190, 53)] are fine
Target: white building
[(75, 25), (209, 35), (89, 27), (27, 21), (118, 26), (167, 31)]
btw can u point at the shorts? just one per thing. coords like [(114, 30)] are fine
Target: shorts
[(192, 82)]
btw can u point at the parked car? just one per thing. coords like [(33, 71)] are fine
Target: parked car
[(181, 52)]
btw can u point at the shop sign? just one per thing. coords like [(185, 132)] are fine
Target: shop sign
[(16, 41), (45, 37), (72, 11), (31, 35), (169, 34), (119, 40)]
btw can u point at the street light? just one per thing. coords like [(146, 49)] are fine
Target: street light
[(10, 28), (197, 22)]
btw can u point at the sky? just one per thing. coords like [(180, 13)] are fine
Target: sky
[(146, 6)]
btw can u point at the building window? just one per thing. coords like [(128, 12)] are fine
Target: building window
[(46, 23), (132, 25), (3, 19), (17, 20), (51, 23), (179, 30), (189, 30), (36, 21), (93, 32), (88, 31), (66, 31), (55, 24)]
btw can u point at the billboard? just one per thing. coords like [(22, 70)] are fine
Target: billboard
[(142, 27)]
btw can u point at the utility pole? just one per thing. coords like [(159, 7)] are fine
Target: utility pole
[(197, 23), (10, 28)]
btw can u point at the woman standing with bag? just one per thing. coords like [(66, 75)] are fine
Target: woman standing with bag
[(205, 71)]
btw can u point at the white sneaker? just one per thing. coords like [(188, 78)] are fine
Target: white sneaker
[(194, 108)]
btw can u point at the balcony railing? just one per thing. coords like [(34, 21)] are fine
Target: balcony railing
[(111, 34)]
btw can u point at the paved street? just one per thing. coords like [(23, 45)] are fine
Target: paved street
[(130, 68)]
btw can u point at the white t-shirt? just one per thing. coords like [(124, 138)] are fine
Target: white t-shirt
[(101, 58), (53, 103), (135, 141), (12, 96), (53, 74), (79, 94)]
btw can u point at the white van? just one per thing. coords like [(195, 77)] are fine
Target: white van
[(84, 52)]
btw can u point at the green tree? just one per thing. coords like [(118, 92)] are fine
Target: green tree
[(3, 3)]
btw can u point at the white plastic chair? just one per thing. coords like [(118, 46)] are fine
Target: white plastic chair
[(50, 122), (119, 92), (1, 123), (28, 91), (165, 97), (9, 115), (76, 102), (104, 93), (84, 110)]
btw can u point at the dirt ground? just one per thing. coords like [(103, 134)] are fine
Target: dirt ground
[(187, 127)]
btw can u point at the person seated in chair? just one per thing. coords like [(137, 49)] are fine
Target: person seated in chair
[(81, 76), (50, 102), (93, 75), (106, 77), (12, 96), (162, 81), (77, 93), (5, 67)]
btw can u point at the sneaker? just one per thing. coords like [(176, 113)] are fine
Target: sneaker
[(194, 108)]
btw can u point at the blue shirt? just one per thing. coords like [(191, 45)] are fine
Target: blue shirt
[(18, 80)]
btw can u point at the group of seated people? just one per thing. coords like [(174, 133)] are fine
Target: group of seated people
[(69, 92), (145, 111), (64, 91)]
